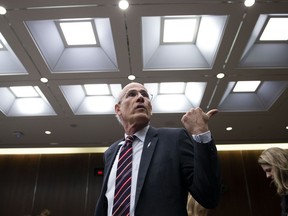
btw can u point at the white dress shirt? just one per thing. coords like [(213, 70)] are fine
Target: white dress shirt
[(137, 151)]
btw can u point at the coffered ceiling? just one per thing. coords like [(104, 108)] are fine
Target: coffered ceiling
[(227, 42)]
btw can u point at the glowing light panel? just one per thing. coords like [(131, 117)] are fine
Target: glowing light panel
[(246, 86), (24, 91), (172, 88), (179, 30), (78, 33), (276, 30), (97, 89)]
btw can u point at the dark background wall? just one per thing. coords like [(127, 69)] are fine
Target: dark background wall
[(67, 185)]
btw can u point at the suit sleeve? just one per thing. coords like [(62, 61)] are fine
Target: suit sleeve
[(200, 170)]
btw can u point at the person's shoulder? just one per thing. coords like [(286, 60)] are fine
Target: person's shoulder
[(170, 130)]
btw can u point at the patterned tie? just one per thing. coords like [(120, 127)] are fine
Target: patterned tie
[(121, 205)]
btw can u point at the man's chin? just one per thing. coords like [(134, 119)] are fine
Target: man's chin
[(142, 117)]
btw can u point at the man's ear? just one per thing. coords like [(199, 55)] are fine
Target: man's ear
[(117, 108)]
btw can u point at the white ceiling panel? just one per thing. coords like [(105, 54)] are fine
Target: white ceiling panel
[(130, 44)]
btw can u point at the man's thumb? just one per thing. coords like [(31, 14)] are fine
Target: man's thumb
[(211, 113)]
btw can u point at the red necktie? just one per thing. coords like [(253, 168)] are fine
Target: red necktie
[(121, 205)]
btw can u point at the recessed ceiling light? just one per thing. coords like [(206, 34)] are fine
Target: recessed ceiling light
[(249, 3), (2, 10), (131, 77), (275, 30), (78, 33), (44, 80), (123, 4), (24, 91), (246, 86), (172, 88), (229, 128), (25, 101), (97, 89), (220, 75), (175, 96), (48, 132), (179, 29)]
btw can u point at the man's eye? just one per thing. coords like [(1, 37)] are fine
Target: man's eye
[(131, 94), (145, 94), (135, 93)]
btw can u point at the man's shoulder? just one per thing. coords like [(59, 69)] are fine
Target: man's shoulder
[(169, 130)]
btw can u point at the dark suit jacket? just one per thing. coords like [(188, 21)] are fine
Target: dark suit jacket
[(284, 205), (171, 165)]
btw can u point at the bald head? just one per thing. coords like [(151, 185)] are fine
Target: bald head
[(134, 107)]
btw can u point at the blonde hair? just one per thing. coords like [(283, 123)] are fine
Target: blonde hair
[(277, 158), (194, 208), (45, 212)]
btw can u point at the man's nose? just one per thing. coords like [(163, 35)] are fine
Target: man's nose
[(139, 95)]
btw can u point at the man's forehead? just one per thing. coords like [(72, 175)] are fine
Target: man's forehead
[(129, 87), (133, 86)]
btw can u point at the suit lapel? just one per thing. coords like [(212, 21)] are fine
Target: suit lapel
[(110, 160), (147, 153)]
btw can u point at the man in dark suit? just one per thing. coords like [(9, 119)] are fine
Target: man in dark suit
[(167, 162)]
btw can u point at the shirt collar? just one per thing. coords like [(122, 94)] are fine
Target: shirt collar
[(141, 134)]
